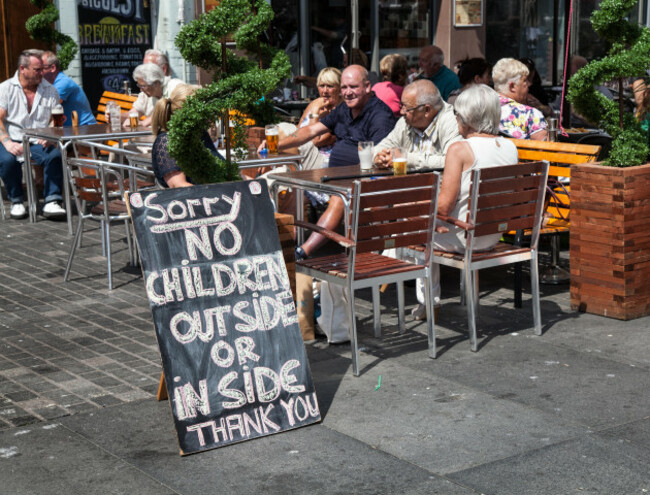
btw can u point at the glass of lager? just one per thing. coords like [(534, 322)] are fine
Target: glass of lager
[(399, 160), (271, 132), (57, 115), (133, 118)]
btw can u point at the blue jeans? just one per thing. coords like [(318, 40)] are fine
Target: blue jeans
[(11, 171)]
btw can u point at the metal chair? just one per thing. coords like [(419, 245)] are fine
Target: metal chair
[(389, 212), (98, 189), (502, 199)]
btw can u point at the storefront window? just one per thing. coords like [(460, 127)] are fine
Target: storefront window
[(404, 27)]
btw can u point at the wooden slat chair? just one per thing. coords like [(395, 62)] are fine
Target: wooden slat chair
[(387, 213), (557, 211), (98, 188), (504, 198)]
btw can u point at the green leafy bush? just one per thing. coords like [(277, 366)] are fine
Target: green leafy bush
[(241, 86), (629, 56)]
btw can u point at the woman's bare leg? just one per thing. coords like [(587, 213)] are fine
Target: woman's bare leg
[(330, 220)]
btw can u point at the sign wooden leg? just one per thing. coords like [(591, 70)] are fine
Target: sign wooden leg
[(162, 388)]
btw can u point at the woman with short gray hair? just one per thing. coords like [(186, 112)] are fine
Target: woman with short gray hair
[(153, 85), (477, 112), (518, 120)]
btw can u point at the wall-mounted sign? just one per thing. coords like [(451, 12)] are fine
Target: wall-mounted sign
[(468, 13), (113, 37)]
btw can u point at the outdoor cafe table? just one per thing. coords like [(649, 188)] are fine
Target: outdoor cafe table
[(63, 137)]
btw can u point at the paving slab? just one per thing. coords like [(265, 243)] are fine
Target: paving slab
[(314, 459), (49, 458), (432, 422), (588, 464)]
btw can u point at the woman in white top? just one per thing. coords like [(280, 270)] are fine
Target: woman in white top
[(478, 112)]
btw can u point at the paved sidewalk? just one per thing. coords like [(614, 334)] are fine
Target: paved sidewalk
[(563, 413)]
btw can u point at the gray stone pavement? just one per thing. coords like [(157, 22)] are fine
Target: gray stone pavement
[(564, 413)]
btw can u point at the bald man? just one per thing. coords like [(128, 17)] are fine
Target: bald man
[(431, 63)]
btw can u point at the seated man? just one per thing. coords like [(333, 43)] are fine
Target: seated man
[(72, 96), (518, 120), (363, 117), (431, 63), (427, 129), (26, 101)]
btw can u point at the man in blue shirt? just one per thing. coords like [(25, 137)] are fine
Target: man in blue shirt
[(362, 117), (71, 94), (431, 62)]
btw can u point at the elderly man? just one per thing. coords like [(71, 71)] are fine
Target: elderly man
[(153, 56), (518, 120), (431, 63), (361, 117), (427, 128), (26, 101), (153, 84), (72, 96)]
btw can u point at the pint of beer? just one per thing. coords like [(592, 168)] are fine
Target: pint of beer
[(399, 156), (271, 131), (57, 116), (133, 119)]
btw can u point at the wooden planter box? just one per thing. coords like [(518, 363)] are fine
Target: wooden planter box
[(610, 240)]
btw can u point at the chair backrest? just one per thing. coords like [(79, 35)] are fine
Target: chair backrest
[(505, 198), (392, 212), (124, 101), (100, 183)]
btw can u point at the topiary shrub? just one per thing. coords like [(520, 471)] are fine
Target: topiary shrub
[(629, 56), (40, 28), (240, 86)]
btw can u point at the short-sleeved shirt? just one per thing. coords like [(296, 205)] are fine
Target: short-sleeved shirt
[(74, 99), (374, 123), (14, 101), (144, 104), (518, 120)]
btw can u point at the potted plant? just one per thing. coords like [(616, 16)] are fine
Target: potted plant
[(610, 201), (40, 28), (240, 83)]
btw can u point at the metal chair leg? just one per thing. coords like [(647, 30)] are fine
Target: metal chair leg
[(353, 334), (400, 307), (376, 311), (76, 242), (431, 323), (107, 236), (471, 308), (534, 282)]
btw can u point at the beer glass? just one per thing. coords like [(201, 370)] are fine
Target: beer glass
[(271, 132), (365, 154), (133, 118), (399, 156), (57, 115)]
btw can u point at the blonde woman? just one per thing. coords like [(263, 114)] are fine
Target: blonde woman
[(394, 68), (167, 171)]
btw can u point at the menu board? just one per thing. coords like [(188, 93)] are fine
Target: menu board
[(233, 357), (113, 37), (468, 13)]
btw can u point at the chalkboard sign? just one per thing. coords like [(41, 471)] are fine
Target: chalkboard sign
[(232, 353), (113, 37)]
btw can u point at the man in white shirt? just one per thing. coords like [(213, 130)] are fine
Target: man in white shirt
[(426, 130), (26, 101)]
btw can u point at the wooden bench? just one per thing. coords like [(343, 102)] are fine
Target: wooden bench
[(557, 209), (124, 101)]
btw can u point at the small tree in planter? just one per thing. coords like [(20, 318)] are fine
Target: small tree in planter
[(239, 83), (610, 205)]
